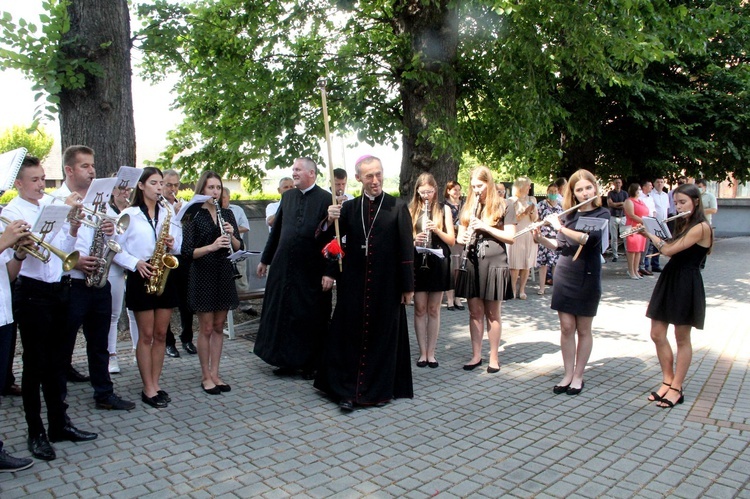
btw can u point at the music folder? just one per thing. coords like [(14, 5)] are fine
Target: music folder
[(593, 224)]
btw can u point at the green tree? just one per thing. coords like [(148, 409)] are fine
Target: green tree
[(79, 62), (541, 87), (36, 141)]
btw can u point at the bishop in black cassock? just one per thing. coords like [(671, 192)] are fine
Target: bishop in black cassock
[(296, 310), (366, 357)]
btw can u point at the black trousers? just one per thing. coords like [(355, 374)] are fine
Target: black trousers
[(92, 309), (42, 315), (186, 314)]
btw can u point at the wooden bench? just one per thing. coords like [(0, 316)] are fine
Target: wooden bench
[(253, 294)]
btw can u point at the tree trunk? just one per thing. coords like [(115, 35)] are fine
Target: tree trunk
[(433, 30), (100, 115)]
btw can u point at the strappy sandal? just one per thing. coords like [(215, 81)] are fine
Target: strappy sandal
[(669, 403), (656, 396)]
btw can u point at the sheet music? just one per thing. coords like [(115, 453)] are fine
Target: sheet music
[(10, 163), (100, 191), (240, 255), (657, 228), (198, 198), (435, 251), (51, 219), (128, 176), (592, 224)]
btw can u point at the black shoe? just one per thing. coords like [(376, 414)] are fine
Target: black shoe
[(451, 308), (12, 391), (574, 391), (284, 371), (10, 464), (433, 365), (211, 391), (249, 311), (227, 388), (421, 363), (459, 307), (656, 269), (161, 394), (71, 434), (189, 348), (346, 405), (308, 375), (493, 370), (614, 259), (172, 351), (558, 389), (471, 367), (645, 272), (115, 403), (40, 447), (76, 377), (154, 401)]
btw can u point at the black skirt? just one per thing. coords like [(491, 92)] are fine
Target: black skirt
[(137, 300)]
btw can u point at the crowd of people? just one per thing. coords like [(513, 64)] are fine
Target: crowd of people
[(381, 254)]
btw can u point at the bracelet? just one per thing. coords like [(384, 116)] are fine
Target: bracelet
[(15, 257), (660, 245)]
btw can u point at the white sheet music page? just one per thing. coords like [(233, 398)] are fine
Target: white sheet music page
[(100, 191), (51, 219), (128, 176)]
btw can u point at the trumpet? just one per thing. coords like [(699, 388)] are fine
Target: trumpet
[(121, 223), (536, 225), (46, 250), (641, 228)]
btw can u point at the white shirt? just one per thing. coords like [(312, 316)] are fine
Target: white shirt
[(240, 217), (6, 305), (661, 201), (139, 240), (649, 202), (271, 210), (20, 209)]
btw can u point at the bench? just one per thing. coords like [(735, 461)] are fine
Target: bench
[(253, 294)]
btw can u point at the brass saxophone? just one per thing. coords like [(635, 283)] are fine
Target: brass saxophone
[(104, 251), (161, 260)]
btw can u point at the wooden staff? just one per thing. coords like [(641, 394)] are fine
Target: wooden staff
[(322, 84)]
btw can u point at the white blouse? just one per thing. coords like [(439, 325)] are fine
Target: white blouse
[(139, 241)]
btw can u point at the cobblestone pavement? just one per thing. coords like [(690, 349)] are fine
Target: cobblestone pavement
[(465, 434)]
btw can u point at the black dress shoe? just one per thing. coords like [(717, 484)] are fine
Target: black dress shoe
[(190, 348), (164, 396), (451, 308), (346, 405), (308, 375), (155, 401), (40, 447), (215, 390), (224, 388), (172, 351), (459, 307), (115, 403), (433, 365), (12, 391), (76, 377), (471, 367), (71, 434), (421, 363), (574, 391)]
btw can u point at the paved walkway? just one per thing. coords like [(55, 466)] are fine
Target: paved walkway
[(464, 434)]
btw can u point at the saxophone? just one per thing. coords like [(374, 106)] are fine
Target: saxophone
[(161, 260), (104, 251)]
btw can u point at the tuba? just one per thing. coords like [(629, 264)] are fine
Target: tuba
[(161, 260)]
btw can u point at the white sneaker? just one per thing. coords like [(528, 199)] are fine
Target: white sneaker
[(114, 366)]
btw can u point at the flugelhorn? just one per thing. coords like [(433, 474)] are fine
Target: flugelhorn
[(536, 225), (121, 223), (641, 228), (46, 250)]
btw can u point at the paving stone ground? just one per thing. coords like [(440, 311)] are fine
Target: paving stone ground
[(465, 434)]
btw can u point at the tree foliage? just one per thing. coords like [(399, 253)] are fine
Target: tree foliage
[(37, 142)]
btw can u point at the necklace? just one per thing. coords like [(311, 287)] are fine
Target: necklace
[(368, 232)]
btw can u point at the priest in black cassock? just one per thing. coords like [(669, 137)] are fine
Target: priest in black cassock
[(366, 357), (296, 309)]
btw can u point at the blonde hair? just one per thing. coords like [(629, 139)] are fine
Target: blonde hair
[(494, 205), (416, 207), (569, 196)]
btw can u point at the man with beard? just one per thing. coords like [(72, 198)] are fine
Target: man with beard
[(366, 357), (296, 309)]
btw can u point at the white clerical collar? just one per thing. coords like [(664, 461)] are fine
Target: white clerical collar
[(305, 191), (371, 198)]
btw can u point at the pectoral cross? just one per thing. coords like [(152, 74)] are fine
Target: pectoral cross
[(364, 246)]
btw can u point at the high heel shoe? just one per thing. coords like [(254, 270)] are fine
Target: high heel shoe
[(574, 391), (558, 389), (655, 397), (471, 367), (669, 403)]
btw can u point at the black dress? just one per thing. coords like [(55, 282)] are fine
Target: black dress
[(211, 280), (679, 297), (487, 275), (432, 273), (578, 284)]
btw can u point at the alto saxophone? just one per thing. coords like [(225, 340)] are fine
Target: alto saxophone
[(161, 261), (104, 251)]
